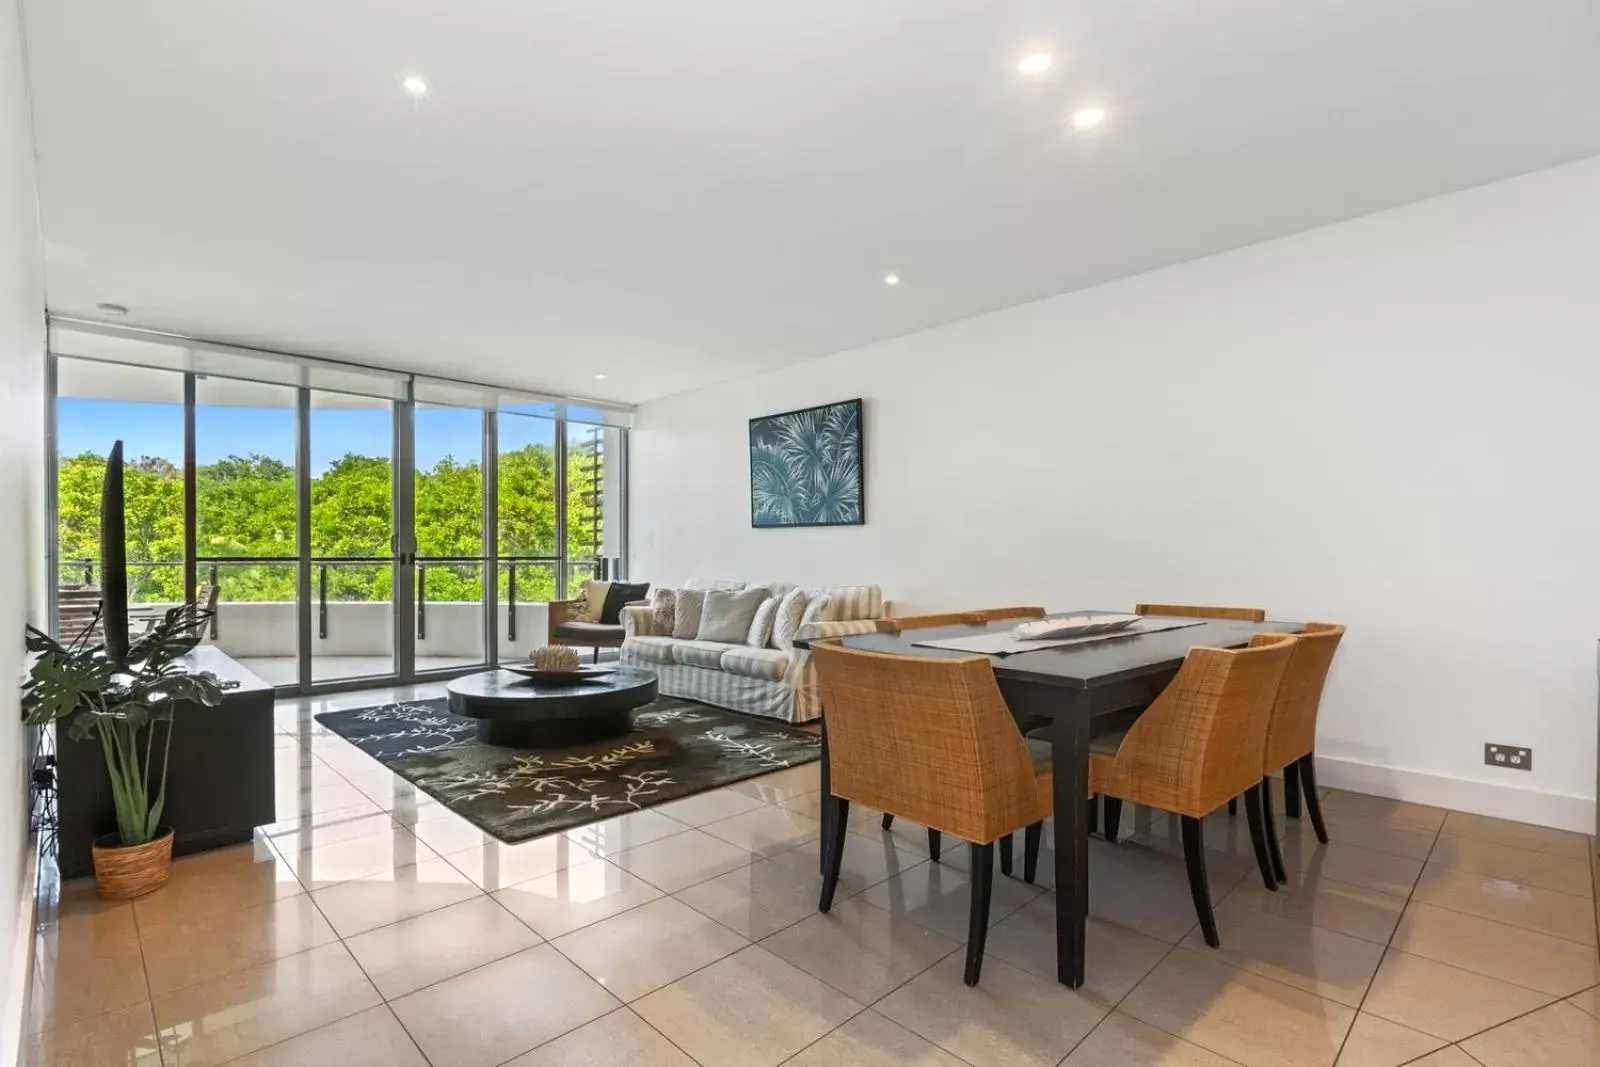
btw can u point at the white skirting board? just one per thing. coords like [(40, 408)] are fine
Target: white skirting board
[(19, 979), (1558, 810)]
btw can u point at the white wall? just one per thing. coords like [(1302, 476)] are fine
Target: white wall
[(1389, 423), (21, 485)]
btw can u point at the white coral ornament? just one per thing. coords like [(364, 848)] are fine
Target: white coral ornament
[(554, 658)]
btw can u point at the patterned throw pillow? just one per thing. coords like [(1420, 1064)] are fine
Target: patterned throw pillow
[(817, 610), (686, 620), (663, 611), (787, 620), (761, 625)]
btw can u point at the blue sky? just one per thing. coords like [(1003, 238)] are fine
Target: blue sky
[(157, 430)]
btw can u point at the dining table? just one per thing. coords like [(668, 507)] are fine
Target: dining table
[(1072, 686)]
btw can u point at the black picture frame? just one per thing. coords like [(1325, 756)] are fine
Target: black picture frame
[(808, 467)]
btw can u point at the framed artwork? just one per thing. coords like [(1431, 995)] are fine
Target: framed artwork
[(805, 467)]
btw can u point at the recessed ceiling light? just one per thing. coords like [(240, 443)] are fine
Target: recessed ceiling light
[(599, 377), (414, 85), (891, 279), (112, 309), (1087, 118), (1035, 63)]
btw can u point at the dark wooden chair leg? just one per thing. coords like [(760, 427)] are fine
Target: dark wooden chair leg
[(1258, 837), (1233, 807), (1269, 825), (978, 924), (1291, 792), (933, 845), (888, 821), (1093, 809), (1194, 854), (1113, 817), (1032, 837), (1005, 855), (1308, 780), (834, 855)]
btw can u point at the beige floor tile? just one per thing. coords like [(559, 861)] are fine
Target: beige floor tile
[(870, 1040), (1444, 1001), (576, 896), (1544, 910), (807, 804), (758, 900), (451, 834), (619, 1038), (1243, 1016), (1446, 1057), (783, 785), (215, 882), (683, 860), (220, 1020), (1588, 1000), (868, 822), (179, 954), (1115, 958), (1518, 835), (868, 859), (710, 806), (501, 1010), (1352, 865), (1557, 1036), (1375, 835), (321, 822), (1334, 966), (644, 949), (610, 836), (1147, 892), (1331, 904), (1010, 1017), (1123, 1041), (324, 794), (86, 962), (1511, 954), (495, 866), (374, 1038), (321, 865), (126, 1037), (861, 950), (1340, 804), (1376, 1042), (766, 830), (364, 904), (1514, 864), (748, 1010), (940, 898), (405, 956)]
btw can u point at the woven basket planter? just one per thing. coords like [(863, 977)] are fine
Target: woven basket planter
[(122, 872)]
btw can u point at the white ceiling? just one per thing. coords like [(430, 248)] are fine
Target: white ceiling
[(675, 193)]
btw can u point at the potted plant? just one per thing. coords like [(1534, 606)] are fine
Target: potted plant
[(117, 692)]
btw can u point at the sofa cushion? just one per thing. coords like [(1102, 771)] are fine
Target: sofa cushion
[(727, 616), (686, 613), (760, 634), (663, 610), (700, 653), (766, 663), (589, 631), (786, 623), (853, 602), (652, 649), (591, 601), (818, 609), (618, 594)]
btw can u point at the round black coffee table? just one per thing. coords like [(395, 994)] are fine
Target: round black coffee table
[(517, 712)]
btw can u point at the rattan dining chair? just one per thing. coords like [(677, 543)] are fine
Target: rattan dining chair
[(1197, 746), (1292, 729), (1199, 611), (975, 617), (933, 740)]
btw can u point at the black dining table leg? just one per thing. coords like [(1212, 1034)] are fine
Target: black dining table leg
[(1070, 758), (828, 829)]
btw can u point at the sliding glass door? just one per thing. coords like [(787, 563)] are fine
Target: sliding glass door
[(344, 536)]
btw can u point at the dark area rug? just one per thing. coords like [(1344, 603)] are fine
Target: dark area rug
[(675, 749)]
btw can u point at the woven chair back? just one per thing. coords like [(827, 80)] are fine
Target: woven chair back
[(1200, 611), (928, 739), (1292, 729), (1199, 744)]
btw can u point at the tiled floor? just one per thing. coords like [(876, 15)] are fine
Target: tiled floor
[(373, 927)]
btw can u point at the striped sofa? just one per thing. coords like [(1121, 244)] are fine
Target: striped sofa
[(775, 683)]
